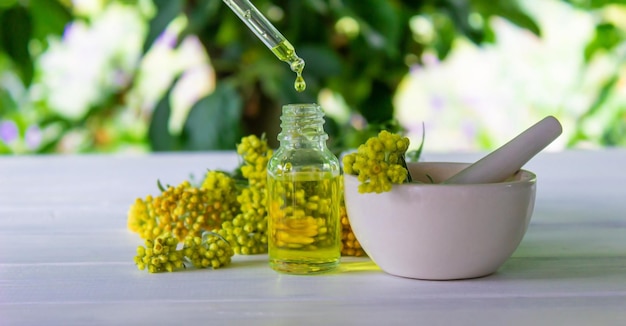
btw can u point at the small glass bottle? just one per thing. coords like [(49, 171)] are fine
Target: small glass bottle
[(303, 195)]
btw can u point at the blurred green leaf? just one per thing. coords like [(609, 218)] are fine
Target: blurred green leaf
[(606, 37), (352, 137), (158, 132), (15, 34), (320, 6), (4, 149), (203, 11), (49, 17), (603, 95), (7, 103), (379, 23), (602, 3), (167, 10), (507, 9), (7, 3), (379, 105), (415, 155), (214, 121), (445, 36), (321, 61), (595, 110), (593, 4), (615, 134), (460, 12)]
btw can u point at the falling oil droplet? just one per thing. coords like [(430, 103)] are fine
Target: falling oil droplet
[(300, 84)]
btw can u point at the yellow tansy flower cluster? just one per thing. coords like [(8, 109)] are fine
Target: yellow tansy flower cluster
[(159, 254), (379, 162), (209, 250), (247, 232)]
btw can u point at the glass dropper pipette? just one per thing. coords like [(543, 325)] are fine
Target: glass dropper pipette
[(270, 36)]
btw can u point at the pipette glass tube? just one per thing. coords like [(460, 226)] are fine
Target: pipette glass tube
[(270, 36)]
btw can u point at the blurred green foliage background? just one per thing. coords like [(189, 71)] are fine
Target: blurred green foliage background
[(167, 75)]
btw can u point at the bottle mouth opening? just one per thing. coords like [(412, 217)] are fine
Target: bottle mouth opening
[(302, 109), (302, 114), (304, 121)]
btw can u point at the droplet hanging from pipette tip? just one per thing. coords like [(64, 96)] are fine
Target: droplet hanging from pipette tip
[(300, 84)]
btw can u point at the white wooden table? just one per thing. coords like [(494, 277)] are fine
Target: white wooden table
[(66, 257)]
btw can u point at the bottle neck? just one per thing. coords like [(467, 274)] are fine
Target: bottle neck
[(302, 126)]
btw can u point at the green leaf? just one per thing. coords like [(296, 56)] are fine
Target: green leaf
[(7, 3), (318, 6), (459, 13), (445, 36), (167, 10), (604, 94), (381, 99), (49, 17), (321, 61), (507, 9), (605, 111), (214, 121), (7, 103), (158, 132), (15, 34), (607, 36), (199, 15), (414, 156), (615, 132), (160, 186), (594, 4), (380, 25)]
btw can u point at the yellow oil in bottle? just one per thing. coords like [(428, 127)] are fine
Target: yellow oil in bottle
[(287, 53), (304, 222)]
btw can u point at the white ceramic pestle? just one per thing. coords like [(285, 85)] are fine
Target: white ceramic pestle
[(508, 159)]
